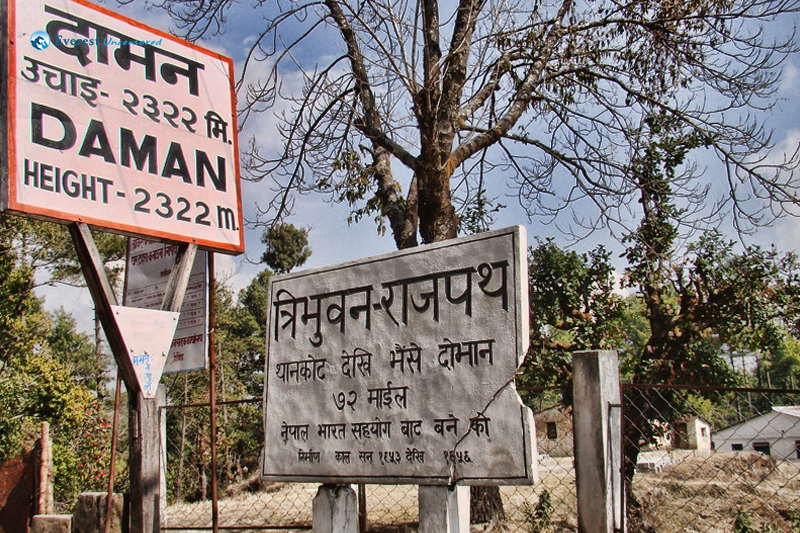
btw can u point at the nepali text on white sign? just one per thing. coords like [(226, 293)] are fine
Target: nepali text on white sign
[(400, 368)]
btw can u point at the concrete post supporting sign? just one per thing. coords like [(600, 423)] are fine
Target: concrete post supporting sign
[(443, 509), (145, 433), (598, 441), (335, 509)]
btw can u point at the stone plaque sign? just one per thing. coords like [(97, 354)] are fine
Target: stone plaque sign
[(400, 368)]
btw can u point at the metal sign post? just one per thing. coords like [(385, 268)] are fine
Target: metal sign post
[(143, 420)]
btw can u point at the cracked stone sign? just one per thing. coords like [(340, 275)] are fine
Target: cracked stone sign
[(400, 368)]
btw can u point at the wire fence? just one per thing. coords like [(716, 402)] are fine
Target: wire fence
[(697, 461), (713, 460)]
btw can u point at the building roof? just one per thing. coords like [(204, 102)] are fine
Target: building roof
[(788, 410), (791, 410)]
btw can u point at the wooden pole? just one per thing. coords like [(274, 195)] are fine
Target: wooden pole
[(362, 508), (104, 297), (145, 461), (46, 505), (113, 460)]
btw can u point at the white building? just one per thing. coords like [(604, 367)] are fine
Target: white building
[(554, 432), (776, 433), (691, 433)]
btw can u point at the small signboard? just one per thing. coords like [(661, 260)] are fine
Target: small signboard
[(120, 126), (147, 270), (400, 368), (147, 334)]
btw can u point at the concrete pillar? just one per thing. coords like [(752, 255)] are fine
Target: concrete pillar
[(597, 420), (335, 509), (46, 499), (443, 509), (90, 513), (51, 523), (144, 462)]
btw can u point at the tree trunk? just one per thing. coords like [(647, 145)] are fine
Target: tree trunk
[(437, 216), (485, 505)]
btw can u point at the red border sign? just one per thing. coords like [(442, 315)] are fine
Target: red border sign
[(120, 126)]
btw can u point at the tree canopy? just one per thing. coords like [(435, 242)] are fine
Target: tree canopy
[(287, 247), (49, 371)]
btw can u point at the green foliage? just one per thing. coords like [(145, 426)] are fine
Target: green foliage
[(287, 247), (573, 306), (704, 302), (81, 452), (478, 214), (240, 332), (78, 352), (783, 364), (793, 517), (539, 517), (33, 389), (742, 523), (712, 301), (48, 370)]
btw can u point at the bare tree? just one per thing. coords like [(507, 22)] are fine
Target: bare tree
[(540, 96), (543, 96)]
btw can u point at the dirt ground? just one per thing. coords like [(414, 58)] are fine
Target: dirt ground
[(695, 493), (702, 492)]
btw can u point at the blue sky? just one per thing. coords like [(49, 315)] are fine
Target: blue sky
[(332, 240)]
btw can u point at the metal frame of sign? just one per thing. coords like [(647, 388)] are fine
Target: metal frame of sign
[(120, 126)]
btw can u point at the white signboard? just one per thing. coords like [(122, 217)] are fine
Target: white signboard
[(147, 334), (120, 126), (147, 271), (400, 368)]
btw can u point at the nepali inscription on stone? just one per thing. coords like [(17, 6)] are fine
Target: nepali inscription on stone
[(400, 368)]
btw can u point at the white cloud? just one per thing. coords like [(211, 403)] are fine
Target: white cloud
[(790, 81)]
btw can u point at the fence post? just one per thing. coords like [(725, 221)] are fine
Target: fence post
[(598, 441), (335, 509), (443, 509), (162, 470), (46, 499)]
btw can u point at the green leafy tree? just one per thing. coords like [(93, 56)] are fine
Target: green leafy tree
[(287, 248), (573, 307), (48, 370), (697, 305), (77, 351), (240, 332), (783, 364)]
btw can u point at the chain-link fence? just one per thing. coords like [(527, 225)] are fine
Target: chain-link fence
[(698, 459), (247, 503), (712, 460)]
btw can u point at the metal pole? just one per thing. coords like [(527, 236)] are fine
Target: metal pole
[(113, 461), (212, 366), (362, 508)]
